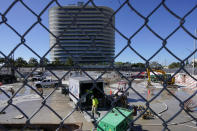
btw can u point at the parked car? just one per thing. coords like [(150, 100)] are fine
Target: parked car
[(47, 83), (38, 77)]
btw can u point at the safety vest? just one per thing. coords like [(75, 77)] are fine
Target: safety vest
[(95, 102)]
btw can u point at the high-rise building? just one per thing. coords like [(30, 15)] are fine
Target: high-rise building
[(85, 33)]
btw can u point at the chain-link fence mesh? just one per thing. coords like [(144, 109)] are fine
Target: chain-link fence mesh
[(165, 123)]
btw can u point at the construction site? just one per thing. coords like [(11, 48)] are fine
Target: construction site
[(115, 95), (98, 65)]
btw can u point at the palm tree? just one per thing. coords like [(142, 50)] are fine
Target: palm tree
[(57, 62), (44, 62), (20, 62), (33, 62)]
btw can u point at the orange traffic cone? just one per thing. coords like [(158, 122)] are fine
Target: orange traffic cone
[(110, 92), (148, 92), (148, 95)]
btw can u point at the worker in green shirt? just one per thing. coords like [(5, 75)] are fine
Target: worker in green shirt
[(95, 106)]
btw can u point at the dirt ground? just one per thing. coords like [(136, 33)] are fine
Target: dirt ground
[(63, 107), (57, 102)]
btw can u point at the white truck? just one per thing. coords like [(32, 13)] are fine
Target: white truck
[(80, 87), (46, 83), (38, 77)]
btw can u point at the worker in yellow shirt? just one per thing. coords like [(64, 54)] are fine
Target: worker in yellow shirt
[(95, 106)]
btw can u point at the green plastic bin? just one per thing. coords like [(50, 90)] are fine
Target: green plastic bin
[(114, 121)]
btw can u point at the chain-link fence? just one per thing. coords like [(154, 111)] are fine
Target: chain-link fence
[(110, 73)]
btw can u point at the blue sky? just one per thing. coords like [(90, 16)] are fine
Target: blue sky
[(126, 21)]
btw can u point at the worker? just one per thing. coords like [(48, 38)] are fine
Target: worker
[(12, 91), (40, 90), (95, 106)]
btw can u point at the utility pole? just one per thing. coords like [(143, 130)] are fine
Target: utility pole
[(12, 65), (195, 34)]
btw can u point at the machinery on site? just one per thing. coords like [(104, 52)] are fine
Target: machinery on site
[(7, 72), (7, 75), (7, 78), (116, 120), (82, 88), (163, 76)]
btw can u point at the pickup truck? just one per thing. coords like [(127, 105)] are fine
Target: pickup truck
[(38, 77), (46, 83)]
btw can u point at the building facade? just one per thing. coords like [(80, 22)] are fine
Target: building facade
[(85, 34)]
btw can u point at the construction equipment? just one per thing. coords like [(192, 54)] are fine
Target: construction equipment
[(7, 73), (122, 100), (160, 77), (7, 78), (121, 95), (116, 121), (147, 115)]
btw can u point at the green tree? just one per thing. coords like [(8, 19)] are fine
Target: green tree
[(187, 62), (2, 60), (127, 63), (44, 62), (20, 62), (33, 62), (118, 63), (8, 62), (139, 65), (174, 65), (69, 61), (155, 65), (56, 62)]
